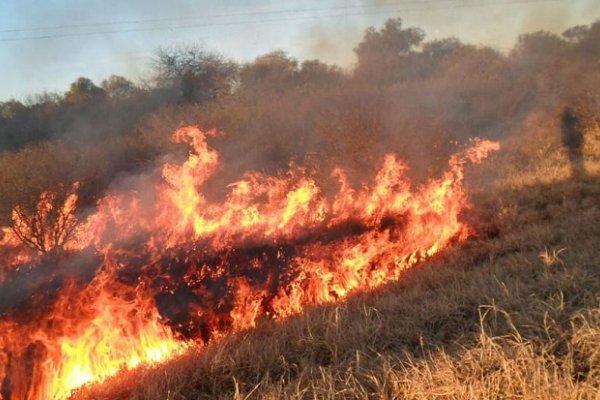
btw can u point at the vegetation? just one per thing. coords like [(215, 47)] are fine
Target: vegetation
[(513, 312), (415, 97)]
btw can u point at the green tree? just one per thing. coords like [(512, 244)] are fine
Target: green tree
[(589, 40), (272, 72), (11, 108), (382, 54), (118, 87), (539, 47), (199, 75), (83, 90), (576, 33), (316, 74)]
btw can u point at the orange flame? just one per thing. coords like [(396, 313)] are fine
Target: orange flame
[(173, 267)]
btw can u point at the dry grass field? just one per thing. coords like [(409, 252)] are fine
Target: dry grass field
[(512, 313)]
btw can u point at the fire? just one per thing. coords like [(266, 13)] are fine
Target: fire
[(113, 339), (140, 281), (85, 336)]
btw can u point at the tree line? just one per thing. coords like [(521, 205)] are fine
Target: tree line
[(405, 93)]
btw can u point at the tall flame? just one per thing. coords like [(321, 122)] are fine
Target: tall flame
[(185, 271)]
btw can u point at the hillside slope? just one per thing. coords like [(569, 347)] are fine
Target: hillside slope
[(511, 313)]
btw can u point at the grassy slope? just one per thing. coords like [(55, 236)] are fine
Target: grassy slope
[(512, 314)]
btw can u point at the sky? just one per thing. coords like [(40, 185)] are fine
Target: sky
[(47, 44)]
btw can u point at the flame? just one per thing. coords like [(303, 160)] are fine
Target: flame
[(86, 336), (185, 271), (108, 343)]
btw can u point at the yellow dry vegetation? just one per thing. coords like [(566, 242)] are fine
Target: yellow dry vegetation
[(513, 313)]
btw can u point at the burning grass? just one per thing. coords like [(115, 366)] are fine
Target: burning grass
[(296, 283), (142, 279), (514, 313)]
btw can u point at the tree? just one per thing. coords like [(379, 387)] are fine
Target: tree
[(118, 87), (539, 46), (436, 50), (314, 73), (274, 72), (589, 41), (11, 108), (576, 33), (83, 90), (199, 75), (381, 54), (51, 224)]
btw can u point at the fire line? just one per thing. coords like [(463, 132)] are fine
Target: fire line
[(141, 280)]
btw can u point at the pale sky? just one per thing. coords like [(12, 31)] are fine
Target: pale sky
[(47, 44)]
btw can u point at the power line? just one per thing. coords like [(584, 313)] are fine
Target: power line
[(260, 21), (212, 16)]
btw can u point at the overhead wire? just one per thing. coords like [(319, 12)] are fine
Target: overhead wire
[(428, 5), (222, 15)]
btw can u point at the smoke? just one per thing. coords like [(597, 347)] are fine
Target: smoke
[(331, 44), (482, 23), (210, 253), (422, 98), (36, 284)]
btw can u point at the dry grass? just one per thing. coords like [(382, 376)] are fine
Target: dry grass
[(513, 314)]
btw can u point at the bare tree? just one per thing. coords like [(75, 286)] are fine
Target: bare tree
[(50, 224)]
